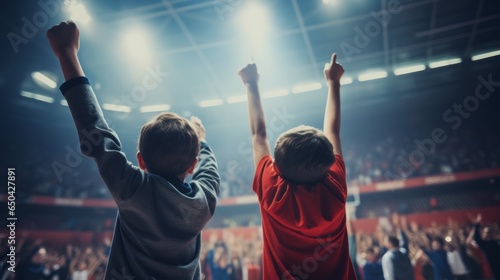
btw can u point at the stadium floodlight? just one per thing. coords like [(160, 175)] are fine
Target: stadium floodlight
[(78, 13), (36, 96), (237, 99), (116, 108), (446, 62), (154, 108), (211, 103), (254, 21), (44, 79), (409, 69), (63, 102), (275, 93), (136, 44), (307, 87), (485, 55), (372, 75), (345, 80), (330, 2)]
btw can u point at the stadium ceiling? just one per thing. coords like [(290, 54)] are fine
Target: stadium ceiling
[(196, 47)]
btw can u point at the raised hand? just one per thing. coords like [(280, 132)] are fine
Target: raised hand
[(198, 126), (249, 74), (333, 71), (64, 38)]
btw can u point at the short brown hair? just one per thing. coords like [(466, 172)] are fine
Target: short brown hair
[(303, 155), (168, 144)]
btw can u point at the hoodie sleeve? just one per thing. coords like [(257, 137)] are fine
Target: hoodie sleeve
[(206, 174), (99, 141)]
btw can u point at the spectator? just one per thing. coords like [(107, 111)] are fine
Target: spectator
[(489, 246), (372, 267), (396, 262), (457, 265), (439, 258)]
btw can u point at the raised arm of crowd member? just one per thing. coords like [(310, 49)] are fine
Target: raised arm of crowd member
[(250, 77)]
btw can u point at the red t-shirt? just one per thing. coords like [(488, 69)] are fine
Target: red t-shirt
[(305, 235)]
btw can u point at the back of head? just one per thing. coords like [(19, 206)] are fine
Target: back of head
[(168, 144), (392, 241), (303, 155)]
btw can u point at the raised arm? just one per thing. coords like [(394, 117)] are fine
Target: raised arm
[(206, 171), (97, 139), (331, 127), (64, 39), (250, 77)]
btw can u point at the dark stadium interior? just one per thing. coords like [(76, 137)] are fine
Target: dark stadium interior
[(200, 47)]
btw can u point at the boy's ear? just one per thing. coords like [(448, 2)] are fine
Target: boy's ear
[(193, 165), (140, 160)]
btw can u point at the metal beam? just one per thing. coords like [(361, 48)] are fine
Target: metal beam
[(305, 36), (431, 26), (455, 26), (468, 50), (193, 43)]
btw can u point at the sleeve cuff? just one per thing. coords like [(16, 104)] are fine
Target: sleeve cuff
[(72, 83)]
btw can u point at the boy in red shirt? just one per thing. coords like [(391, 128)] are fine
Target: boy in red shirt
[(302, 192)]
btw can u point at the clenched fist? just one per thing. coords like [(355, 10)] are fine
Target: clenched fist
[(64, 38), (249, 74)]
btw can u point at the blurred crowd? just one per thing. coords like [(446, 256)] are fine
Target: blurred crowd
[(438, 252), (38, 261)]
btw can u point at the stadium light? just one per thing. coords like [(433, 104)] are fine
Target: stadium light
[(254, 21), (63, 102), (485, 55), (44, 79), (78, 13), (211, 103), (306, 87), (116, 108), (237, 99), (446, 62), (275, 93), (372, 75), (36, 96), (409, 69), (154, 108), (345, 80), (136, 44)]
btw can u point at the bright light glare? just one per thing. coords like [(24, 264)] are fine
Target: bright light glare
[(36, 96), (116, 108), (63, 102), (409, 69), (237, 99), (485, 55), (136, 44), (330, 2), (446, 62), (372, 75), (447, 239), (275, 93), (254, 21), (345, 80), (44, 79), (211, 102), (78, 13), (154, 108), (307, 87)]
